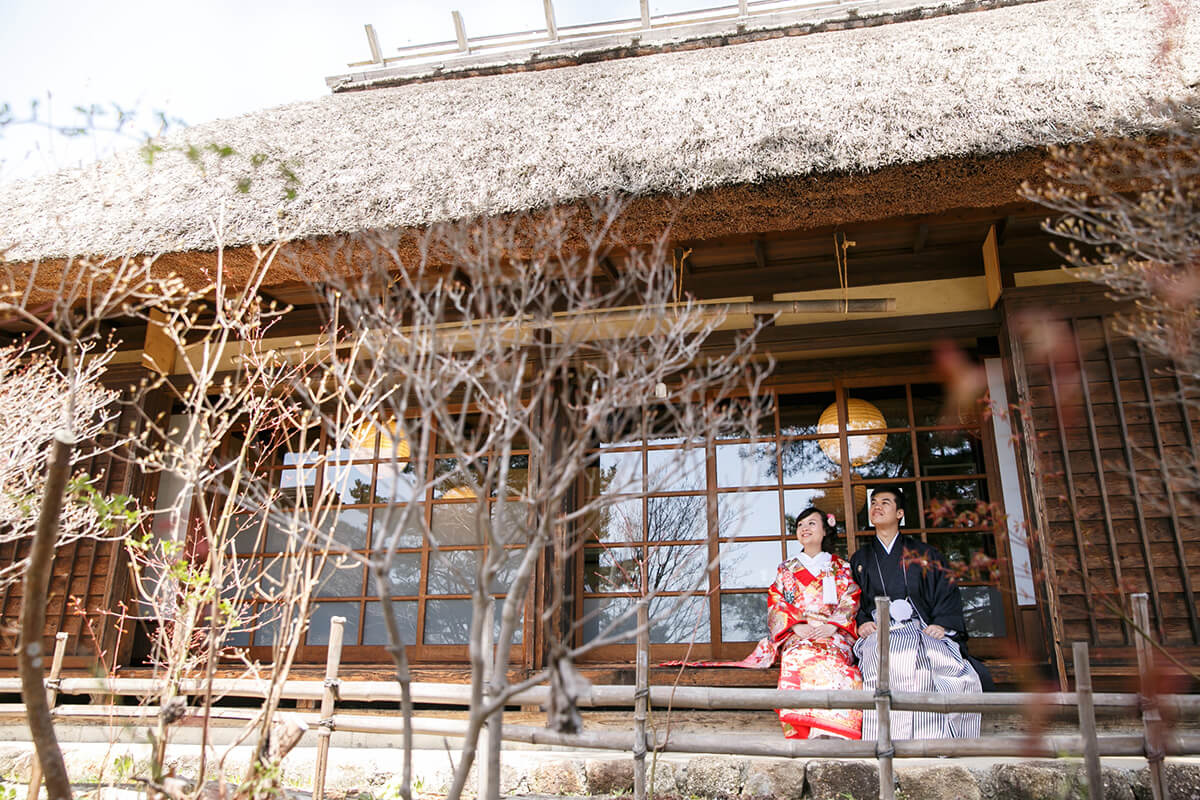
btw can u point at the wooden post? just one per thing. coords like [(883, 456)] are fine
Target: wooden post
[(641, 699), (460, 32), (1087, 720), (60, 652), (645, 7), (551, 21), (883, 703), (1152, 723), (333, 660), (373, 44)]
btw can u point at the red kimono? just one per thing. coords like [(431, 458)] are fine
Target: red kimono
[(799, 596)]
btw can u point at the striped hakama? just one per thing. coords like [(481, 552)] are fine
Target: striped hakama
[(919, 663)]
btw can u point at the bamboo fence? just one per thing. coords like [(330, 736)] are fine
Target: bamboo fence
[(1153, 745)]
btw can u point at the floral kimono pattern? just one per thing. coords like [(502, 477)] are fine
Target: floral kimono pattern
[(797, 596)]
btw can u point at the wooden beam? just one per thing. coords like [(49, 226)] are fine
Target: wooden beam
[(760, 253), (1003, 227), (610, 269), (991, 267), (158, 352), (645, 8), (921, 237)]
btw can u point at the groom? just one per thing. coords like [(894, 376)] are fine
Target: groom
[(927, 630)]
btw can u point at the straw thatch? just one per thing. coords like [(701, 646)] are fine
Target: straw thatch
[(954, 87)]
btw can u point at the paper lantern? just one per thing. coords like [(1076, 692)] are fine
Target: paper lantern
[(364, 439), (459, 493), (831, 501), (860, 416)]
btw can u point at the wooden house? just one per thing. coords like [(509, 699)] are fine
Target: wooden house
[(765, 146)]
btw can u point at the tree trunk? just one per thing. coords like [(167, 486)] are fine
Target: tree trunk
[(33, 622)]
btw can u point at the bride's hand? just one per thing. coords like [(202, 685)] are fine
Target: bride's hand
[(820, 633)]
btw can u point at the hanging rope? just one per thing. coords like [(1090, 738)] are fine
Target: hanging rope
[(840, 245)]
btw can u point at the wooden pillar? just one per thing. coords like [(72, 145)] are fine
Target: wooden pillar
[(641, 699), (883, 703), (1152, 723), (1087, 720)]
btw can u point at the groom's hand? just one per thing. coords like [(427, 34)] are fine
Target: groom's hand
[(936, 631)]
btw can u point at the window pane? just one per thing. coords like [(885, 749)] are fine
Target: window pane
[(743, 617), (797, 501), (911, 519), (510, 522), (949, 453), (740, 419), (615, 473), (676, 621), (318, 623), (677, 518), (455, 524), (250, 537), (894, 460), (619, 522), (804, 461), (929, 407), (746, 465), (270, 617), (350, 528), (350, 483), (504, 577), (447, 621), (375, 628), (957, 504), (340, 577), (518, 475), (404, 575), (676, 470), (395, 483), (270, 583), (452, 571), (452, 481), (963, 547), (611, 569), (798, 413), (518, 630), (889, 400), (984, 609), (748, 514), (599, 613), (749, 565), (677, 568), (384, 522)]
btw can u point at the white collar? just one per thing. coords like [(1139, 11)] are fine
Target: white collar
[(814, 564), (888, 547)]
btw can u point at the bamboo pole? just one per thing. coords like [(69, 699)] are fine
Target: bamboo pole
[(1152, 723), (333, 660), (641, 697), (883, 702), (483, 772), (60, 652), (697, 697), (1087, 720)]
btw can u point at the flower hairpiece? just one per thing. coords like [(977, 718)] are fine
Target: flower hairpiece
[(832, 520)]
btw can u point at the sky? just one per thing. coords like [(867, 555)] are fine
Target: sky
[(199, 61)]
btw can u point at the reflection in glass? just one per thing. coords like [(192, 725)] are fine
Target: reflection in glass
[(507, 572), (746, 465), (749, 565), (962, 547), (404, 575), (609, 617), (611, 569), (798, 413), (895, 460), (518, 475), (249, 536), (375, 628), (510, 522), (949, 453), (322, 613), (957, 504), (271, 577), (615, 473), (270, 617), (454, 523), (743, 617), (453, 571), (676, 470), (748, 514), (929, 407), (740, 427), (795, 501), (984, 611), (891, 400), (804, 461), (395, 483), (339, 577), (350, 483), (619, 522), (384, 525), (674, 620), (350, 528), (677, 568), (677, 518), (453, 481), (447, 621)]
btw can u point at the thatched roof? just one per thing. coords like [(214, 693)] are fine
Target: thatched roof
[(870, 99)]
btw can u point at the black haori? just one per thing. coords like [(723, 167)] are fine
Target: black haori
[(919, 663)]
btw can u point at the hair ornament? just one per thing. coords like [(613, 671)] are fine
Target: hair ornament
[(832, 520)]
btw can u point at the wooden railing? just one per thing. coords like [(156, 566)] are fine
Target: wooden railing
[(1153, 744)]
